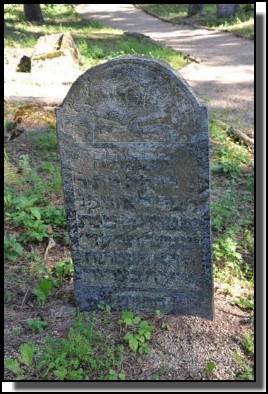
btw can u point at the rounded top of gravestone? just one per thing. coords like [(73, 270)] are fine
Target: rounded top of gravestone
[(135, 91), (123, 66), (125, 62)]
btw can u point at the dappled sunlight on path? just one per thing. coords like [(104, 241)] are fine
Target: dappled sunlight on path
[(224, 76)]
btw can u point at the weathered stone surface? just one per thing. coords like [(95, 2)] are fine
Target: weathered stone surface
[(134, 150), (57, 55)]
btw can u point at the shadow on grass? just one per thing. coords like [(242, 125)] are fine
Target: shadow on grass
[(241, 24)]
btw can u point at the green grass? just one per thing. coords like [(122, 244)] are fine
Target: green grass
[(232, 216), (45, 142), (83, 346), (82, 355), (99, 49), (241, 24), (96, 42), (248, 371), (30, 191), (248, 343), (228, 156)]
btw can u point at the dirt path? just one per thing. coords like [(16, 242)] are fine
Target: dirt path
[(224, 78)]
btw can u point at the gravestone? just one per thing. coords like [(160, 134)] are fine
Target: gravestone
[(135, 164), (56, 55)]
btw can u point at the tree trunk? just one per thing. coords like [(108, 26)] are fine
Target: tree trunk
[(194, 9), (225, 10), (33, 13)]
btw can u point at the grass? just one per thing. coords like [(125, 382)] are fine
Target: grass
[(232, 218), (82, 355), (241, 24), (96, 42), (232, 206)]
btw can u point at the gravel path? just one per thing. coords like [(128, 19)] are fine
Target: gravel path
[(224, 78)]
